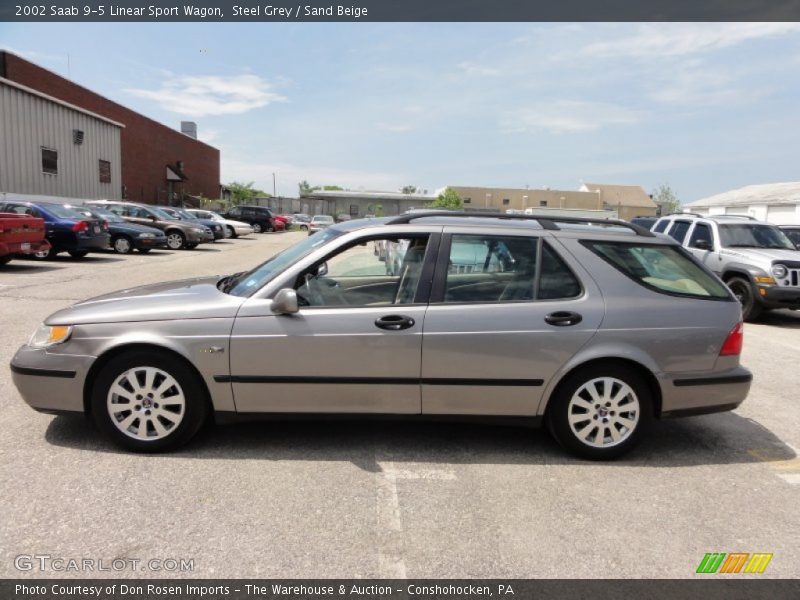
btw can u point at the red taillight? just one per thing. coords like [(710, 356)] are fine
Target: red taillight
[(733, 343), (80, 226), (105, 225)]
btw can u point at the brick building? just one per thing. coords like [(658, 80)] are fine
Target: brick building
[(158, 164)]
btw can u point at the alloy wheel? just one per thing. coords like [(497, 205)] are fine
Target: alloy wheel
[(175, 241), (257, 227), (146, 403), (603, 412), (122, 245)]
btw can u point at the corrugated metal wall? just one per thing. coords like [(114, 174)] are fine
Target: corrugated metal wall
[(29, 122)]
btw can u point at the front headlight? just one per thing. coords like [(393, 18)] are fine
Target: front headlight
[(50, 335), (147, 235), (198, 230), (780, 271)]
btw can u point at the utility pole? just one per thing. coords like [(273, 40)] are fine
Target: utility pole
[(274, 193)]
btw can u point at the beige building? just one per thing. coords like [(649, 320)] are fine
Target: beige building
[(502, 199), (628, 200)]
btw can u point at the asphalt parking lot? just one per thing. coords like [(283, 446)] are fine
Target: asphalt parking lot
[(357, 499)]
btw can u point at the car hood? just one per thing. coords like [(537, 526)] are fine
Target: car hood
[(766, 254), (187, 299)]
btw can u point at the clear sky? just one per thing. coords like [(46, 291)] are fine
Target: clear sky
[(704, 107)]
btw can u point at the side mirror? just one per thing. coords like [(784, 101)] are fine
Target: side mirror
[(322, 270), (285, 302), (702, 245), (153, 218)]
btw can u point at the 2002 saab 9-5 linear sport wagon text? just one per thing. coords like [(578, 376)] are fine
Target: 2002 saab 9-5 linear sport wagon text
[(595, 328)]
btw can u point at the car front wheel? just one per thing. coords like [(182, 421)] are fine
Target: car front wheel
[(601, 412), (148, 401), (743, 291), (175, 240), (78, 253), (257, 228), (230, 232), (122, 245)]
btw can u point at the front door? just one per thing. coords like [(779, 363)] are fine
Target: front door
[(506, 314), (355, 345)]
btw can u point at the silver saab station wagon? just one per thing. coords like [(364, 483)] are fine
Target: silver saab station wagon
[(595, 328)]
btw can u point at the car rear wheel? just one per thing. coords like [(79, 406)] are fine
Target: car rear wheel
[(78, 253), (122, 244), (744, 293), (601, 412), (49, 253), (257, 228), (175, 240), (148, 401)]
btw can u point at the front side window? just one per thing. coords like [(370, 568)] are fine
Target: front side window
[(663, 269), (751, 235), (794, 236), (484, 268), (49, 161), (701, 233), (235, 212), (679, 230), (380, 272)]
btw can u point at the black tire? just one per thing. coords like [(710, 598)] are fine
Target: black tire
[(746, 295), (195, 411), (189, 246), (122, 244), (4, 260), (232, 232), (257, 228), (78, 253), (560, 406), (144, 250), (173, 237)]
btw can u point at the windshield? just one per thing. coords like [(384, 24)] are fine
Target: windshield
[(187, 215), (105, 214), (750, 235), (162, 214), (246, 284)]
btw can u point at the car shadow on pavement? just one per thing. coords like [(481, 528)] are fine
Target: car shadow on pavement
[(708, 440), (34, 268), (781, 318)]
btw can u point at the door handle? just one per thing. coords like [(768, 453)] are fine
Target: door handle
[(394, 322), (563, 318)]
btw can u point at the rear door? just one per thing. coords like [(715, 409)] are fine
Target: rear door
[(507, 311), (703, 245)]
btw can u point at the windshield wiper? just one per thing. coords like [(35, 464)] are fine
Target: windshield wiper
[(227, 283)]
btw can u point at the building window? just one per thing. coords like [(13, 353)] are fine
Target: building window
[(467, 200), (49, 161), (105, 171), (542, 202), (506, 201), (354, 210)]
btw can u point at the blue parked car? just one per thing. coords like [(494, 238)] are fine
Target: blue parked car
[(126, 237), (66, 229)]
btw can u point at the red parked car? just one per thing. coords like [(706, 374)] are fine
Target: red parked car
[(21, 234), (281, 222)]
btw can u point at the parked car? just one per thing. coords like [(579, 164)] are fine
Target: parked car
[(259, 217), (758, 262), (233, 229), (283, 221), (21, 234), (66, 229), (793, 233), (319, 222), (126, 237), (180, 234), (216, 228), (559, 330), (646, 222), (302, 220)]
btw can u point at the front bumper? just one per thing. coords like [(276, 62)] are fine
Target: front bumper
[(159, 242), (772, 296), (199, 238), (694, 394), (50, 382), (243, 230)]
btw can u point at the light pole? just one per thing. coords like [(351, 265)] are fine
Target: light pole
[(274, 194)]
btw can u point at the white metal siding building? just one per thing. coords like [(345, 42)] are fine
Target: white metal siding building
[(777, 203), (52, 149)]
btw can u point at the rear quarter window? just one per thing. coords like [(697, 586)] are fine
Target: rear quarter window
[(661, 268), (661, 226)]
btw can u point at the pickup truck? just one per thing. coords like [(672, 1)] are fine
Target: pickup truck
[(20, 234)]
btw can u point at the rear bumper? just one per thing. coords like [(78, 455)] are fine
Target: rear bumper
[(96, 242), (693, 394), (24, 247)]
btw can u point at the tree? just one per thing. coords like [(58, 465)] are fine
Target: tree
[(306, 188), (666, 199), (409, 189), (242, 193), (448, 199)]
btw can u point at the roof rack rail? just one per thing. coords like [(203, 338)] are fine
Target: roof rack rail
[(684, 214), (737, 217), (547, 222)]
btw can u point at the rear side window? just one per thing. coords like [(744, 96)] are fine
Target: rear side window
[(664, 269), (661, 226), (679, 229)]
